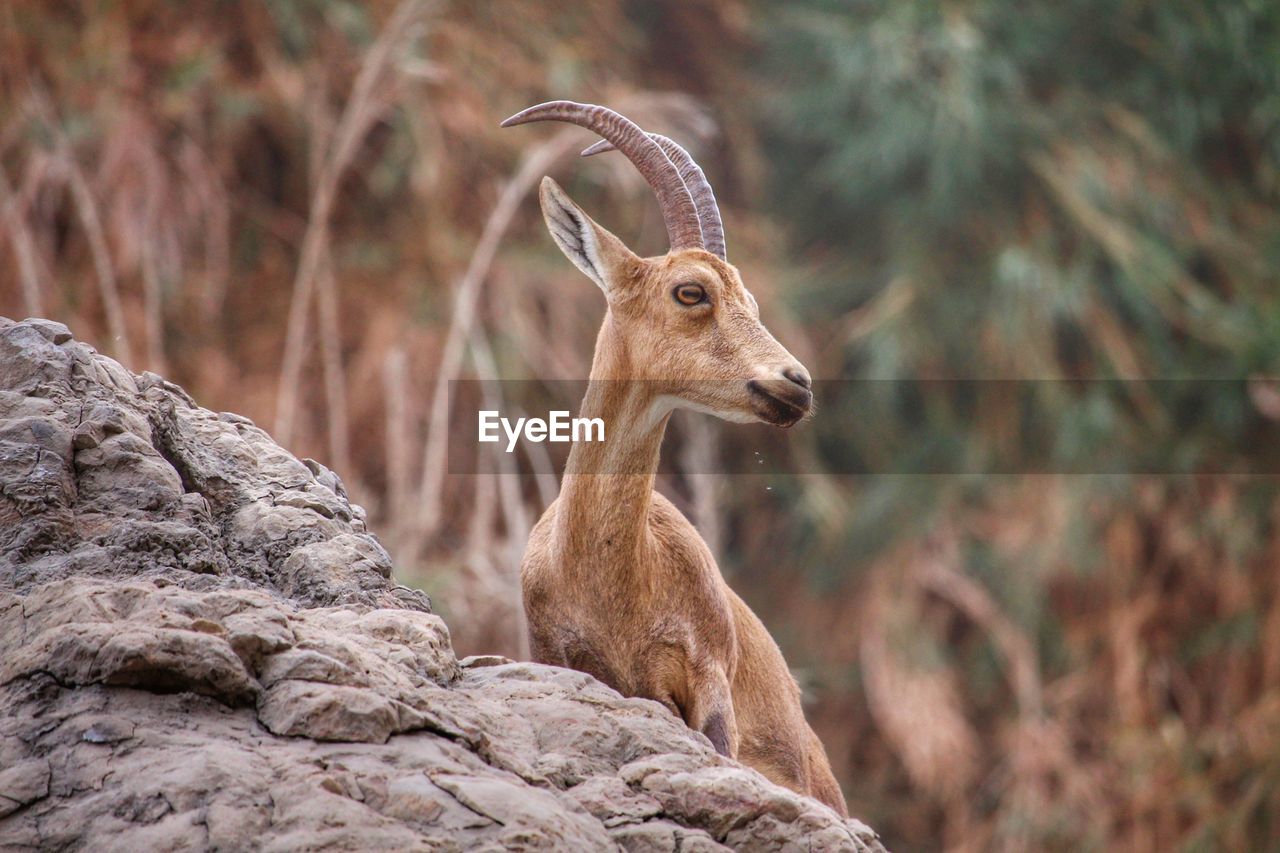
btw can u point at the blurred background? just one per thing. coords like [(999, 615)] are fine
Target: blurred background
[(305, 212)]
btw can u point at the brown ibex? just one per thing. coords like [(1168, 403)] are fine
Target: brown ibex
[(617, 583)]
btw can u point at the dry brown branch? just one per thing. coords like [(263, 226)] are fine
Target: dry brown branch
[(152, 301), (43, 177), (335, 381), (368, 100), (152, 289), (24, 247), (698, 457), (487, 372), (205, 182), (886, 306), (940, 578), (515, 514), (87, 211), (917, 708), (395, 391), (480, 531), (466, 295)]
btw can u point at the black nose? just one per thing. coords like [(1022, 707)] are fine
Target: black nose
[(798, 376)]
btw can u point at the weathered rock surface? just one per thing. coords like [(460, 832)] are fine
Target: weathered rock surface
[(201, 648)]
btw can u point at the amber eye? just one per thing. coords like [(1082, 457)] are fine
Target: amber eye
[(689, 294)]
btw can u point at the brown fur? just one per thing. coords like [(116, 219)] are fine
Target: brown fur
[(617, 583)]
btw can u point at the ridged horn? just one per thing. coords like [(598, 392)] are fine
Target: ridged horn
[(699, 187), (679, 212)]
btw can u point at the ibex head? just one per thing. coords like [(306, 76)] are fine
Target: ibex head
[(685, 321)]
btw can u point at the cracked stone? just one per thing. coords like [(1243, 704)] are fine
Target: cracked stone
[(201, 647)]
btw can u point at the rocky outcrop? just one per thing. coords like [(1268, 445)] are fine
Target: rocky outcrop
[(201, 646)]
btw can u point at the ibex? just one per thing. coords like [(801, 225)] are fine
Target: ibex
[(617, 583)]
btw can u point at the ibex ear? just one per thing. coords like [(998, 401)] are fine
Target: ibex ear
[(595, 251)]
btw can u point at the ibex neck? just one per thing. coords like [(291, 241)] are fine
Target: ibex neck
[(604, 500)]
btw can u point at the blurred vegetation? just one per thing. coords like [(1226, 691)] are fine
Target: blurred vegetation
[(1076, 190), (284, 207)]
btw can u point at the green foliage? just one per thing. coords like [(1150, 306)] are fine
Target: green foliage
[(1041, 161), (1079, 193), (1079, 190)]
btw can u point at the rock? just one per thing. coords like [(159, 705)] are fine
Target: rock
[(201, 647), (23, 783)]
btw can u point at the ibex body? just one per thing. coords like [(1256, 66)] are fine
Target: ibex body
[(617, 582)]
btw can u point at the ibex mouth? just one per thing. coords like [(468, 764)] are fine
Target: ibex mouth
[(782, 404)]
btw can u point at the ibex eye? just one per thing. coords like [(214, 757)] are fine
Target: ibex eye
[(689, 294)]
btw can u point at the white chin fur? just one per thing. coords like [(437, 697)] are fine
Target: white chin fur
[(666, 403)]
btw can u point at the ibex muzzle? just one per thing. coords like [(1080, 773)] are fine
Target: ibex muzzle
[(782, 400)]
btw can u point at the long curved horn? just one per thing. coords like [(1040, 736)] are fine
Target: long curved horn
[(699, 187), (679, 212)]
